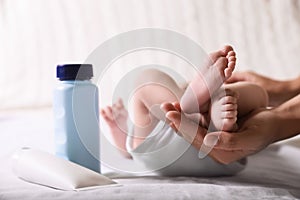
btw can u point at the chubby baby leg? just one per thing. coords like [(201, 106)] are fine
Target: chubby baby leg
[(153, 87), (215, 71)]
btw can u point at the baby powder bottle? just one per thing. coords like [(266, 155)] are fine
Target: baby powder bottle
[(76, 116)]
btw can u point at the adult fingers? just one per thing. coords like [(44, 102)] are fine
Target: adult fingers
[(190, 131), (228, 147), (166, 107), (177, 106), (227, 157), (240, 141)]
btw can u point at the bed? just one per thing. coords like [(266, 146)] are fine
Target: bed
[(271, 174)]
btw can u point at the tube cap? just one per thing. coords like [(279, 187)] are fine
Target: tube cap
[(74, 72)]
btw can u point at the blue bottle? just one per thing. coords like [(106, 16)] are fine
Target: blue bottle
[(76, 116)]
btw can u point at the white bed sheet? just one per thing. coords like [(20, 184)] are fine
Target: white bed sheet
[(272, 174)]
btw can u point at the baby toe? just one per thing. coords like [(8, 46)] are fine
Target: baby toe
[(107, 113), (229, 121), (227, 48), (231, 65), (229, 114), (229, 107), (102, 112), (231, 59), (231, 54)]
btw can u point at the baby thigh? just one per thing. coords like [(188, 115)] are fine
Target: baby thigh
[(153, 87)]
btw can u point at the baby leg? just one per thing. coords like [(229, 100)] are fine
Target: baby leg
[(219, 67), (238, 100), (153, 87)]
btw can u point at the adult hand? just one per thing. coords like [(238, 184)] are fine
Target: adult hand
[(256, 132), (278, 91)]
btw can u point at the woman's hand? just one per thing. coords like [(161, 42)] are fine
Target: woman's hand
[(256, 132)]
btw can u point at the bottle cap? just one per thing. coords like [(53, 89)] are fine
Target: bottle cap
[(74, 72)]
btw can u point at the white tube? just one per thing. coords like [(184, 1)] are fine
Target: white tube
[(45, 169)]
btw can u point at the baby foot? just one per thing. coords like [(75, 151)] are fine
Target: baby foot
[(215, 71), (197, 137), (116, 118), (223, 111)]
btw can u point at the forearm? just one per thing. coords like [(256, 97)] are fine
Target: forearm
[(281, 91), (294, 86), (289, 118)]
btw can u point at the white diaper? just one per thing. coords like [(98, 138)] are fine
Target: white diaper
[(167, 154)]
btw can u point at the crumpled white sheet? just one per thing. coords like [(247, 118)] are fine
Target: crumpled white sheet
[(271, 174)]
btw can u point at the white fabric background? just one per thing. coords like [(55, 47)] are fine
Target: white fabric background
[(36, 35)]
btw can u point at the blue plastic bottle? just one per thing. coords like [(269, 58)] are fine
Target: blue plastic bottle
[(77, 116)]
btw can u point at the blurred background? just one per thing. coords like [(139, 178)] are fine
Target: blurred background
[(37, 35)]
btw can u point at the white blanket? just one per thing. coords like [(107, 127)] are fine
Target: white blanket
[(271, 174)]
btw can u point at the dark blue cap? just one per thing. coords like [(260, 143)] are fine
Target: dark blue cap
[(74, 72)]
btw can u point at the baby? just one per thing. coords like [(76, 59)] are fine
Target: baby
[(205, 99)]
